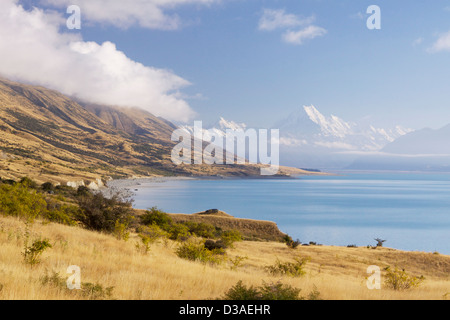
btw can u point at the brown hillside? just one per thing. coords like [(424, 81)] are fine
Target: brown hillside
[(50, 137)]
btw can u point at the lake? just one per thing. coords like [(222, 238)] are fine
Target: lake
[(409, 211)]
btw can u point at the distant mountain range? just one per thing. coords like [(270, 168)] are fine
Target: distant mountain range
[(307, 127), (422, 150), (310, 139)]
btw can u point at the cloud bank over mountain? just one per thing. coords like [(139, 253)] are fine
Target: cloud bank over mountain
[(35, 48)]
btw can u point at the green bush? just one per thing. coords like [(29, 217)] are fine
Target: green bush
[(91, 291), (61, 213), (27, 182), (242, 292), (154, 216), (290, 242), (201, 229), (271, 291), (32, 254), (197, 252), (292, 269), (218, 245), (236, 262), (20, 201), (400, 280), (95, 291), (153, 232), (100, 213), (148, 236), (179, 232), (144, 246), (121, 230), (230, 237)]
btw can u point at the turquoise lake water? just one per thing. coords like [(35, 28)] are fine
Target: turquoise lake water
[(410, 211)]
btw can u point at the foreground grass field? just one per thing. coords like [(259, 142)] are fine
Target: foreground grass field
[(105, 262)]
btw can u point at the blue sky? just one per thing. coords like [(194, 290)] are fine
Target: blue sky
[(246, 73)]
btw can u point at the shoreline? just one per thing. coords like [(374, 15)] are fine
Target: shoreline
[(134, 182)]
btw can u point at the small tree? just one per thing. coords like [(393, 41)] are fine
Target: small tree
[(290, 242), (380, 242), (100, 213), (32, 254)]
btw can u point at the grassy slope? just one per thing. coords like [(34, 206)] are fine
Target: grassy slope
[(338, 273)]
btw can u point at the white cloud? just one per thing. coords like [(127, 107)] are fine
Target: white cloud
[(297, 29), (34, 50), (441, 44), (276, 19), (418, 41), (359, 15), (152, 14), (298, 37)]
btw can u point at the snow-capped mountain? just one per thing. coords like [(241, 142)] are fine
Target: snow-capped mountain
[(217, 129), (309, 127), (309, 139)]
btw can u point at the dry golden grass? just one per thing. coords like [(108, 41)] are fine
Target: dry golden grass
[(337, 273)]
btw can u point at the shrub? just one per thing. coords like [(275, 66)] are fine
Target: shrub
[(271, 291), (287, 238), (153, 232), (236, 262), (121, 230), (292, 269), (290, 242), (91, 291), (217, 246), (201, 229), (61, 213), (279, 291), (148, 236), (293, 244), (197, 252), (27, 182), (179, 232), (20, 201), (95, 291), (83, 191), (380, 242), (230, 237), (33, 253), (101, 214), (144, 246), (400, 280), (242, 292), (47, 187), (314, 295), (156, 217), (54, 279)]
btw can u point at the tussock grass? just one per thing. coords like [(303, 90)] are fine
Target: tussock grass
[(334, 272)]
